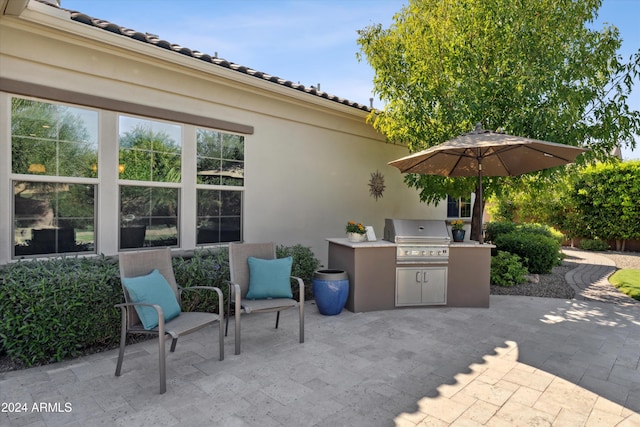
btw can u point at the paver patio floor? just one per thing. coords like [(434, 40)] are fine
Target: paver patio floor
[(523, 361)]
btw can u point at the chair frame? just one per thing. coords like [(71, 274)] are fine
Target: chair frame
[(134, 264), (238, 288)]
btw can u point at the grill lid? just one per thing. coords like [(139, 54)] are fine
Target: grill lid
[(425, 231)]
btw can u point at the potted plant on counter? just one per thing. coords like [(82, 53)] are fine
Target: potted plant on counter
[(457, 230), (356, 232)]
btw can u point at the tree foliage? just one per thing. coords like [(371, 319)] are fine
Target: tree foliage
[(531, 68)]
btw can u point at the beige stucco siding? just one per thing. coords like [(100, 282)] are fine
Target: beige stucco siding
[(308, 159)]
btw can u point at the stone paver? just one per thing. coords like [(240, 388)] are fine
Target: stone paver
[(523, 361)]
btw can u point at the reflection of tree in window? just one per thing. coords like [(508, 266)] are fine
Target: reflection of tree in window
[(219, 216), (458, 207), (56, 141), (148, 155), (220, 158), (50, 139), (150, 213), (53, 217)]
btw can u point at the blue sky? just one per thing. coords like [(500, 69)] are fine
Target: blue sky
[(306, 41)]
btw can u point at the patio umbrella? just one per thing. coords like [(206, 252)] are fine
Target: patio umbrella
[(487, 153)]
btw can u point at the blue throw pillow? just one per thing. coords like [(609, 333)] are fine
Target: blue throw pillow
[(152, 289), (269, 278)]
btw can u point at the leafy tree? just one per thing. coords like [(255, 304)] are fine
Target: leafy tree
[(532, 68), (604, 204)]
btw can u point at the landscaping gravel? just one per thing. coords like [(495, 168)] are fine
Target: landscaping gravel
[(553, 285)]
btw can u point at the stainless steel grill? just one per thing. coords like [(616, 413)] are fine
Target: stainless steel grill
[(419, 241)]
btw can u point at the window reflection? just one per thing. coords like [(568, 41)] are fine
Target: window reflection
[(149, 150), (52, 139), (219, 216), (53, 218), (220, 158), (149, 217)]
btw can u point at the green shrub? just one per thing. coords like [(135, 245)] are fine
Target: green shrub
[(54, 309), (543, 230), (507, 270), (538, 253), (593, 245), (495, 229), (304, 265), (204, 268)]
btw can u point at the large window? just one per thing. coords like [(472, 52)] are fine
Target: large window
[(54, 162), (99, 181), (220, 167), (149, 151), (459, 207)]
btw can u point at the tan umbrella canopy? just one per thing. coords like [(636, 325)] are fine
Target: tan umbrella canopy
[(487, 153)]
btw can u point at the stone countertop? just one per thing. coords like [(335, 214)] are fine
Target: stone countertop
[(386, 244), (366, 244)]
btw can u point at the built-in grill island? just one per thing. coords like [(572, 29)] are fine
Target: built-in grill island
[(415, 264), (422, 260)]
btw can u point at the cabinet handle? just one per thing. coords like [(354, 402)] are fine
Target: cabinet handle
[(426, 277), (418, 277)]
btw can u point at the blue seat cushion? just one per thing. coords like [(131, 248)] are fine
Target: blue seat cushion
[(152, 289), (269, 278)]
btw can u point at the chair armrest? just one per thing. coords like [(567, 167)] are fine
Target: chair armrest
[(124, 307), (300, 288), (211, 288)]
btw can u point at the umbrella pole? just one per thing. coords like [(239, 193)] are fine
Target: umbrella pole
[(479, 199)]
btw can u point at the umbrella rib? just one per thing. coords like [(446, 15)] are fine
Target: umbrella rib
[(546, 153), (498, 153)]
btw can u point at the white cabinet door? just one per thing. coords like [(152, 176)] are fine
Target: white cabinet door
[(408, 286), (434, 285)]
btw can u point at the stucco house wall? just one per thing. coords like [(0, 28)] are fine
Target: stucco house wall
[(308, 160)]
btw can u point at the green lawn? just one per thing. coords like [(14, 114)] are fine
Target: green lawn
[(627, 281)]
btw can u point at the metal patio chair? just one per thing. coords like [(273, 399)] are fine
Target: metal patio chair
[(139, 265), (239, 254)]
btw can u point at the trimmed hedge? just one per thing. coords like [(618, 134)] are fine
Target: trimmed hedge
[(204, 268), (594, 245), (51, 310)]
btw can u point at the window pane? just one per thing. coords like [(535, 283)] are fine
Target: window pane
[(219, 216), (52, 218), (149, 150), (465, 207), (452, 207), (220, 158), (148, 216), (52, 139)]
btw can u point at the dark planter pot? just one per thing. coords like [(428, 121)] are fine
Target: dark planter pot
[(458, 235), (330, 290), (132, 237)]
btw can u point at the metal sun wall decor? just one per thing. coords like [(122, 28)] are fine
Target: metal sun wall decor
[(376, 184)]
